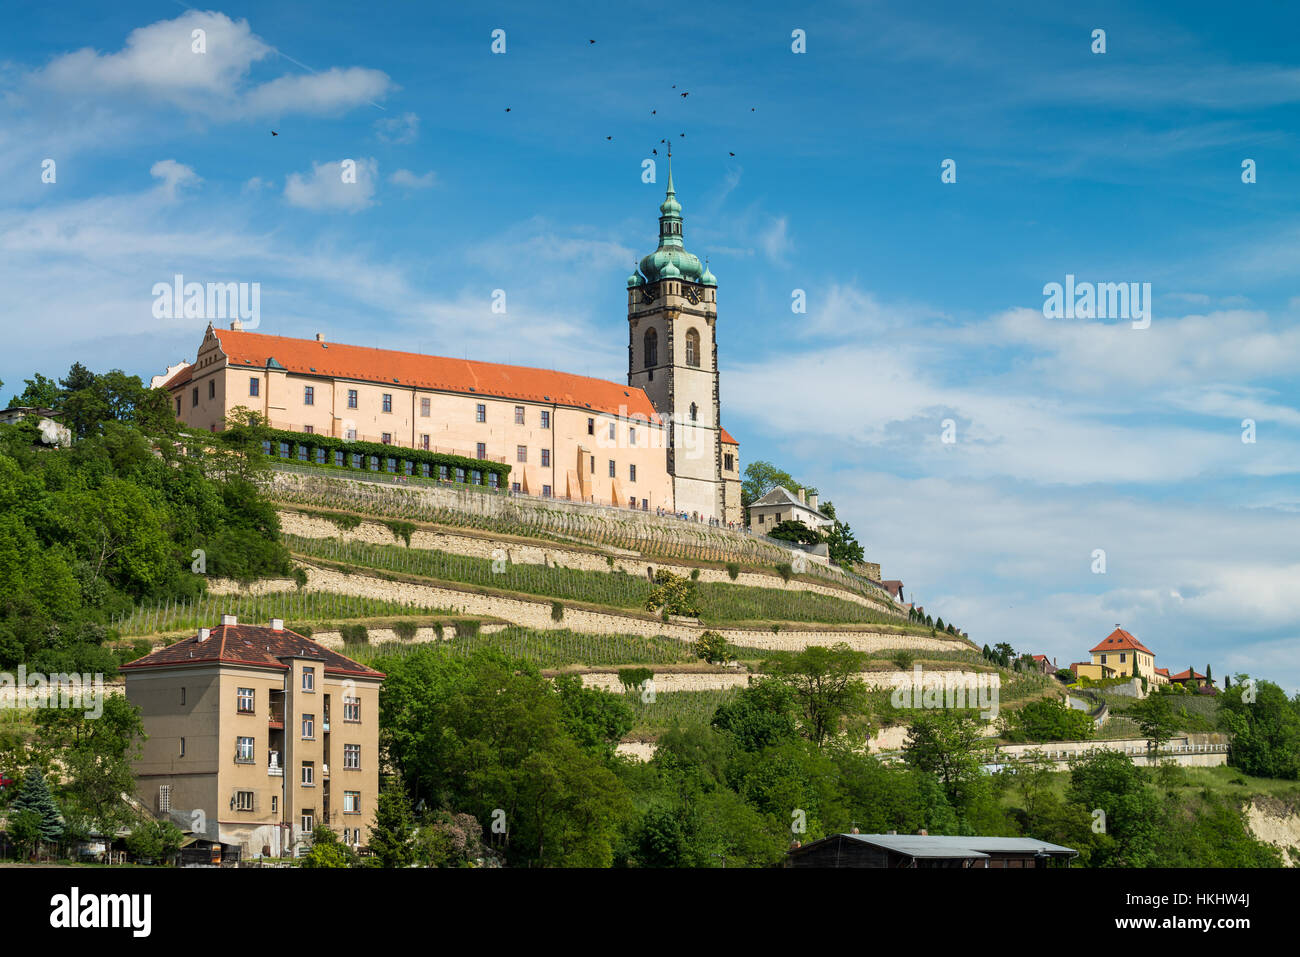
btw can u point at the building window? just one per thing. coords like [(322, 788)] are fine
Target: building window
[(352, 757), (338, 457), (351, 802), (244, 750), (182, 697), (612, 432), (178, 406), (164, 798), (182, 747), (356, 460), (308, 820), (424, 444), (481, 450), (352, 709), (243, 800), (308, 679), (320, 455), (480, 413), (613, 469), (350, 435), (631, 436), (651, 348), (521, 453), (424, 407), (546, 419), (695, 411), (514, 487), (246, 701), (645, 504), (546, 491), (388, 402), (194, 395), (212, 388), (591, 426), (352, 398), (254, 385), (1122, 657), (1103, 659), (302, 453), (546, 458), (631, 503), (593, 465), (631, 473), (275, 803), (460, 476), (519, 415), (309, 395), (494, 479), (692, 348), (729, 463), (309, 429), (309, 774), (387, 438), (308, 727), (442, 473)]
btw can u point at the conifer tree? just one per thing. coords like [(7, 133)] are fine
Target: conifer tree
[(34, 795), (392, 835)]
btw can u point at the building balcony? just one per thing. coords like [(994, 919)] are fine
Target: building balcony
[(274, 768)]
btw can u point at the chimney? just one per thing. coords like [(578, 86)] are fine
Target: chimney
[(236, 325), (229, 620), (320, 337), (803, 499), (812, 501), (277, 624), (204, 634)]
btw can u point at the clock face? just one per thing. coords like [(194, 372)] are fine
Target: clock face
[(647, 296), (693, 295)]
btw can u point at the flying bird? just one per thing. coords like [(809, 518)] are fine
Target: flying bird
[(655, 151), (274, 133), (681, 134), (731, 154), (685, 95), (609, 137), (507, 109), (653, 112), (591, 41)]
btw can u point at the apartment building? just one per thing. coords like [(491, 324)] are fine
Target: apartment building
[(256, 735)]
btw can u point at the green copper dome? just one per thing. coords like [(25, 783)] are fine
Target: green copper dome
[(708, 279), (671, 260), (635, 280)]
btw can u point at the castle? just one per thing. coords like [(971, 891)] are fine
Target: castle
[(656, 443)]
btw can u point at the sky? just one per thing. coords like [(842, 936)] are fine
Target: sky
[(986, 454)]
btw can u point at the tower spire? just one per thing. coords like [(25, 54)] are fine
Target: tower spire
[(671, 191)]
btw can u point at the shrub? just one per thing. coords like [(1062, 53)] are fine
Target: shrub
[(402, 530), (903, 660), (785, 570), (633, 678), (437, 629), (695, 574), (733, 570), (354, 634), (675, 594), (405, 630), (712, 647), (304, 630), (557, 611), (300, 575), (467, 627)]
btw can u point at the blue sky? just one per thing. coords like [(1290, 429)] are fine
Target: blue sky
[(925, 299)]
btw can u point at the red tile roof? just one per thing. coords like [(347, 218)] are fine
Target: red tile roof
[(1163, 671), (1121, 640), (250, 645), (1187, 675), (367, 364), (727, 439), (180, 378)]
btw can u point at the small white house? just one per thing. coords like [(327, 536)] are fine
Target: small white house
[(52, 433), (782, 505)]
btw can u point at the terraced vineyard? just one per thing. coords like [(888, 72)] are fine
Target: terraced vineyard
[(718, 602)]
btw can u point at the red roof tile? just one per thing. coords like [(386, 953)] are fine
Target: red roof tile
[(367, 364), (1121, 640), (250, 645), (727, 439), (1187, 675), (180, 378)]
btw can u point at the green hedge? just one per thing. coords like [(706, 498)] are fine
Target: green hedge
[(400, 454)]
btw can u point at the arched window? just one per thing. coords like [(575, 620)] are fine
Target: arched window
[(692, 348), (695, 410), (651, 348)]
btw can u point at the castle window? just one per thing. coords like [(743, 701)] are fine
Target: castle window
[(178, 406), (212, 388), (194, 395), (693, 348), (388, 402), (521, 453), (695, 411), (591, 426), (546, 458), (613, 469), (482, 450), (631, 436), (308, 395), (651, 348), (546, 420), (424, 444), (729, 463), (519, 415), (480, 413), (631, 473), (352, 398), (424, 408)]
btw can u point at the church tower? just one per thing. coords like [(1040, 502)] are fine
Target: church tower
[(672, 316)]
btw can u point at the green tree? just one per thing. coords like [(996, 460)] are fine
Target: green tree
[(827, 685), (1155, 718), (391, 836), (45, 823), (795, 531), (761, 477), (1129, 822), (1265, 731), (96, 752), (1047, 720), (675, 594), (950, 745), (761, 715), (39, 392), (154, 840), (712, 647), (327, 851), (596, 719)]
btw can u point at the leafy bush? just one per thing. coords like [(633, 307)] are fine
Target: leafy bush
[(675, 594), (557, 611), (354, 634), (405, 630), (733, 570), (785, 570), (712, 647), (633, 678)]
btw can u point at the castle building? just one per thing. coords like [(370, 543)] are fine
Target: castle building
[(255, 735), (655, 443)]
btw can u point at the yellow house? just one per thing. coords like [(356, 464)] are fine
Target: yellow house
[(1117, 653)]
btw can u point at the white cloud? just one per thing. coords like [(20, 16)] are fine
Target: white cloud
[(326, 187), (407, 179), (774, 240), (173, 176), (398, 129)]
